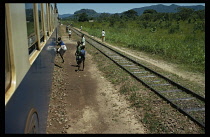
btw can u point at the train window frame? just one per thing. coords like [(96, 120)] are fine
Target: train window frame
[(50, 8), (47, 20), (44, 21), (41, 21), (38, 45), (32, 41), (52, 17), (8, 67), (10, 89)]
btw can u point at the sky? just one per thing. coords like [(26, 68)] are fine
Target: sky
[(70, 8)]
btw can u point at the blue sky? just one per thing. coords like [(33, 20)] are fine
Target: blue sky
[(70, 8)]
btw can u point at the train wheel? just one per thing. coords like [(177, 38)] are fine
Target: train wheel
[(32, 123)]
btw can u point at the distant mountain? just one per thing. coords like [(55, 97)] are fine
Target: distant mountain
[(159, 8), (65, 15), (167, 9), (89, 12)]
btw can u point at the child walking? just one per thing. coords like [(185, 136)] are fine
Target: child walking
[(77, 53), (80, 56), (62, 48)]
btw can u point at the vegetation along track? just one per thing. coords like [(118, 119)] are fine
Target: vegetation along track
[(181, 98)]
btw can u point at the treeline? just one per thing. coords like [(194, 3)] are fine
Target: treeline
[(149, 19), (150, 15)]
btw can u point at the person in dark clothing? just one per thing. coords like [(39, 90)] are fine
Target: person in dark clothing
[(78, 50), (81, 58)]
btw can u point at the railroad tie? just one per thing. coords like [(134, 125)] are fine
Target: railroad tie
[(149, 76), (195, 109), (139, 71), (189, 98), (127, 65), (174, 90), (165, 84)]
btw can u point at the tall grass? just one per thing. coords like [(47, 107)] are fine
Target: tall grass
[(179, 43)]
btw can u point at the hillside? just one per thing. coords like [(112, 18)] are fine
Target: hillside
[(87, 11), (167, 9), (65, 15), (159, 8)]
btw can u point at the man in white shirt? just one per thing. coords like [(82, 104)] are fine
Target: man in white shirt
[(103, 36), (69, 34), (83, 40)]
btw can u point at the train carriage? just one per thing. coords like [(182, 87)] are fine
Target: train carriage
[(31, 31)]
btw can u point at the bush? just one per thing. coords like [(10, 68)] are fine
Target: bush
[(173, 29)]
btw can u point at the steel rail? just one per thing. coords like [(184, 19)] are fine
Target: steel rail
[(184, 111)]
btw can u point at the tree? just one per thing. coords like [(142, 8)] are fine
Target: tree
[(150, 11), (103, 17), (200, 14), (149, 14), (146, 17), (130, 14), (83, 17), (185, 13)]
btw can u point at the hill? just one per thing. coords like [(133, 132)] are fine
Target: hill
[(65, 15), (167, 9), (159, 8), (89, 12)]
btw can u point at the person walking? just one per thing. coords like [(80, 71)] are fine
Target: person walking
[(77, 53), (103, 36), (80, 56), (67, 28), (81, 59), (83, 40), (62, 48), (69, 34)]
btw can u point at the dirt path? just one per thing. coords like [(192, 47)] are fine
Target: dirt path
[(85, 102), (89, 103), (173, 68)]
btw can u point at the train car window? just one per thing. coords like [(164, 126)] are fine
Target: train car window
[(47, 19), (44, 19), (41, 31), (8, 74), (32, 38), (52, 17)]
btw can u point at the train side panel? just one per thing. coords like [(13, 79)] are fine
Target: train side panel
[(30, 49), (17, 37), (33, 92)]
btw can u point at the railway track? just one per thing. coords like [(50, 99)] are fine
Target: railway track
[(186, 101)]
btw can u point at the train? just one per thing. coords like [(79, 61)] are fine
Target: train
[(31, 31)]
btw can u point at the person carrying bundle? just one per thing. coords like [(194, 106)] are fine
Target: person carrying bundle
[(62, 49)]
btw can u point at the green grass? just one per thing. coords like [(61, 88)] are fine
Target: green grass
[(183, 45)]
